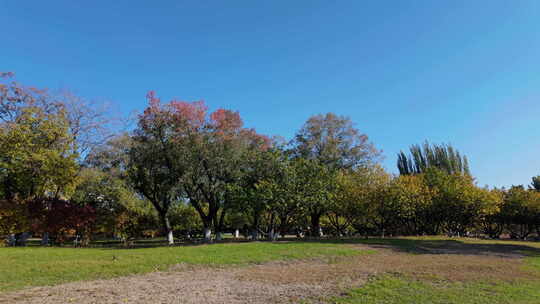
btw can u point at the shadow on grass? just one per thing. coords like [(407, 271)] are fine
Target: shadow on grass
[(507, 249), (434, 245)]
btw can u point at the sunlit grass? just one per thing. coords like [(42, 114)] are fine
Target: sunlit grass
[(36, 266), (401, 290)]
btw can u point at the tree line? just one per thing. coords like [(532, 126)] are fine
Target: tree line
[(190, 173)]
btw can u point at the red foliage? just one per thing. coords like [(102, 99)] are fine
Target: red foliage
[(226, 120), (193, 113), (60, 217), (192, 117)]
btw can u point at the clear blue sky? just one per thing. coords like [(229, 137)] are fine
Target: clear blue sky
[(464, 72)]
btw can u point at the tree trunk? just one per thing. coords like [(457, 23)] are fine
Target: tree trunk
[(255, 228), (219, 236), (236, 233), (272, 235), (316, 230), (168, 228), (207, 234)]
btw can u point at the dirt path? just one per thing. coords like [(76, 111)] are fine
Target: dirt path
[(276, 282)]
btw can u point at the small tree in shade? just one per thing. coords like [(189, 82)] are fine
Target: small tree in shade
[(443, 157)]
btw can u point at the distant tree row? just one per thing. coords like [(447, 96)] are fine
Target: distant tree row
[(185, 172)]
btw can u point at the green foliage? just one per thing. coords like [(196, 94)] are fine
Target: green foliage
[(353, 204), (36, 155), (520, 211), (118, 208), (443, 157), (204, 170), (185, 219), (334, 141)]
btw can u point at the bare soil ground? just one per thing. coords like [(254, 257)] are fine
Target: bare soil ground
[(286, 282)]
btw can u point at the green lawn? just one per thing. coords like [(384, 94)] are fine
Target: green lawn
[(388, 289), (36, 266)]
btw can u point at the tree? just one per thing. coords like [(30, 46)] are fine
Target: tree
[(215, 147), (317, 186), (457, 201), (413, 200), (37, 156), (154, 168), (181, 151), (36, 148), (490, 219), (62, 218), (113, 201), (43, 137), (354, 192), (334, 141), (281, 191), (253, 193), (521, 211), (443, 157)]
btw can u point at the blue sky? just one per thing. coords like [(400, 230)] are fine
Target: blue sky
[(463, 72)]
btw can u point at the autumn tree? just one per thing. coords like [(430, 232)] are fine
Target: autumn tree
[(412, 199), (155, 168), (216, 151), (328, 143), (62, 219), (490, 220), (353, 196), (335, 142), (37, 159), (457, 201), (182, 151)]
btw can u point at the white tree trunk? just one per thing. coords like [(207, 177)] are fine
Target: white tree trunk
[(321, 234), (237, 233), (170, 238), (207, 234), (219, 236)]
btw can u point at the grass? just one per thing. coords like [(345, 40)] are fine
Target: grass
[(389, 289), (420, 270), (399, 288), (36, 266)]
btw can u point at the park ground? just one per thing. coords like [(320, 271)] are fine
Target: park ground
[(400, 270)]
